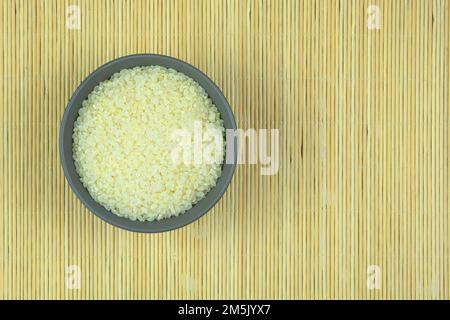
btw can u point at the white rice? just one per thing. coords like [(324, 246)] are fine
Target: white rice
[(123, 143)]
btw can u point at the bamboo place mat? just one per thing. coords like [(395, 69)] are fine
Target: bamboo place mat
[(359, 91)]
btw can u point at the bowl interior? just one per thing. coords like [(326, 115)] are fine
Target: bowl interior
[(71, 114)]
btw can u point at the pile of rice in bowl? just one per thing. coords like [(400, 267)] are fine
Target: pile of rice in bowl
[(148, 143)]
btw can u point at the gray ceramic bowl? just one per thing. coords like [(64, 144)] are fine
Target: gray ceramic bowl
[(71, 114)]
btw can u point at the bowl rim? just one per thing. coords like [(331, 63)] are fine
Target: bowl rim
[(68, 174)]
